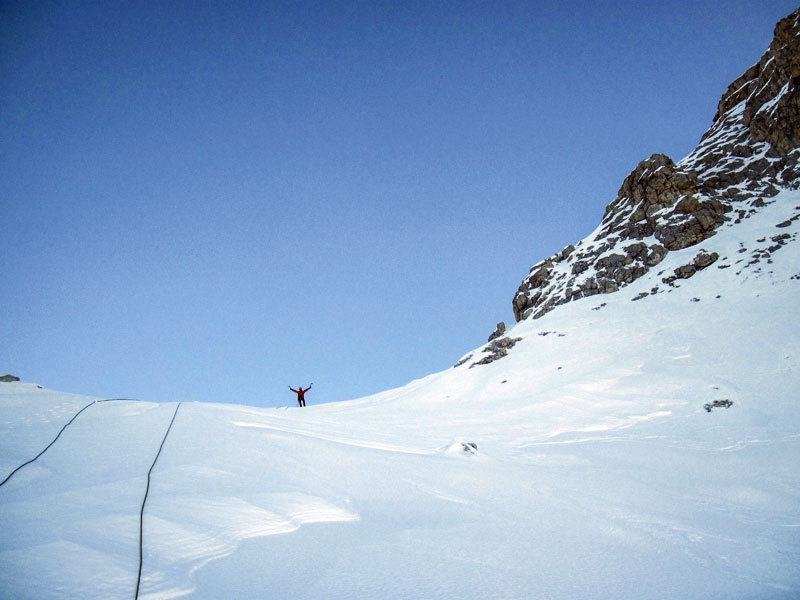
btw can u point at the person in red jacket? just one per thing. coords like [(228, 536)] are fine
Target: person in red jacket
[(301, 393)]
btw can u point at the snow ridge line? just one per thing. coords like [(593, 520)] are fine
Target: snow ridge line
[(144, 500), (55, 439)]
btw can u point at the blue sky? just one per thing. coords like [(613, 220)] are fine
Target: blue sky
[(213, 201)]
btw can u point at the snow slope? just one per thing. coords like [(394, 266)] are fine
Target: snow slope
[(598, 471)]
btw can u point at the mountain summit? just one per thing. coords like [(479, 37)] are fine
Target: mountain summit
[(751, 151)]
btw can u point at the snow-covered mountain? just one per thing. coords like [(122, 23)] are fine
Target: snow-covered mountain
[(643, 443), (751, 151)]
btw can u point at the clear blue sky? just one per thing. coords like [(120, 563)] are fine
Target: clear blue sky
[(216, 200)]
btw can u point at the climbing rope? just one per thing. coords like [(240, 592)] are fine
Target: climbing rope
[(144, 501), (55, 439), (50, 444), (149, 472)]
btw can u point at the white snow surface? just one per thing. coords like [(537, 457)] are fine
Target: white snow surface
[(598, 472)]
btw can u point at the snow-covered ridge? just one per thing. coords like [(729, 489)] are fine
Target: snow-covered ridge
[(751, 151), (618, 443)]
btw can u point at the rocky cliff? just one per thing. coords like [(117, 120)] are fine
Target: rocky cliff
[(751, 151)]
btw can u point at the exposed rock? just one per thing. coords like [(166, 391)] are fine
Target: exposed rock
[(463, 360), (655, 255), (699, 224), (704, 259), (500, 330), (655, 184), (718, 404), (750, 152), (772, 114), (699, 262), (8, 378), (496, 349), (685, 271), (469, 447)]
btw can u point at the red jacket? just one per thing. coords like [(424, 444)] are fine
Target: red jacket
[(301, 393)]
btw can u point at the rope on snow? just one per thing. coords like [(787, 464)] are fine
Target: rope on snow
[(149, 471), (75, 416), (50, 444), (144, 501)]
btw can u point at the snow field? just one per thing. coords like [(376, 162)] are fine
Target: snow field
[(598, 473)]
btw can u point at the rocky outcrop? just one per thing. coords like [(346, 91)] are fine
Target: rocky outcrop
[(699, 262), (755, 134), (661, 199), (751, 151), (8, 378), (709, 406), (498, 332), (771, 112), (496, 349)]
